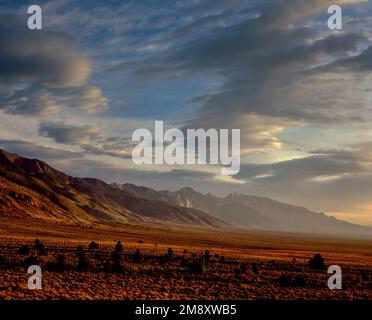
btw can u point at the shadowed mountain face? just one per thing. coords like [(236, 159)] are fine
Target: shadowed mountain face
[(31, 188), (245, 211)]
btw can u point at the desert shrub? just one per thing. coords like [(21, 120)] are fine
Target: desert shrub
[(364, 277), (283, 280), (199, 266), (184, 262), (83, 261), (39, 247), (237, 272), (61, 264), (97, 256), (164, 258), (32, 260), (207, 255), (24, 250), (93, 245), (107, 267), (243, 268), (117, 266), (80, 250), (119, 247), (255, 268), (300, 280), (317, 262), (170, 253), (138, 256), (116, 255)]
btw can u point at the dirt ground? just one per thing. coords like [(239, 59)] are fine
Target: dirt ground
[(166, 263)]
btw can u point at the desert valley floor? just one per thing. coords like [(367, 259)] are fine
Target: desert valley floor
[(164, 263)]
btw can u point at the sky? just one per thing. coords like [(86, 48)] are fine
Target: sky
[(72, 93)]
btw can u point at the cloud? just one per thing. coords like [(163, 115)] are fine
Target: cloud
[(268, 66), (44, 57), (284, 12), (321, 163), (331, 180), (91, 99), (121, 150), (42, 101), (88, 139), (33, 100), (42, 72), (360, 63), (307, 168), (68, 134)]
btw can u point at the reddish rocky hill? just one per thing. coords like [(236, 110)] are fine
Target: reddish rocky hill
[(31, 188)]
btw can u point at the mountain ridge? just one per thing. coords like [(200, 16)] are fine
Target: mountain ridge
[(254, 212), (32, 188)]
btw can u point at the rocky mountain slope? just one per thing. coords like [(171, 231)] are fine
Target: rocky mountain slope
[(31, 188)]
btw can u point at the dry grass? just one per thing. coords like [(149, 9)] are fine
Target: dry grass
[(255, 265)]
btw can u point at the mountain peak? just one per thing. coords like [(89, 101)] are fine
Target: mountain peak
[(235, 195)]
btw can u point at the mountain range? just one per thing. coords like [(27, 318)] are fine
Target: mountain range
[(252, 212), (32, 188)]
